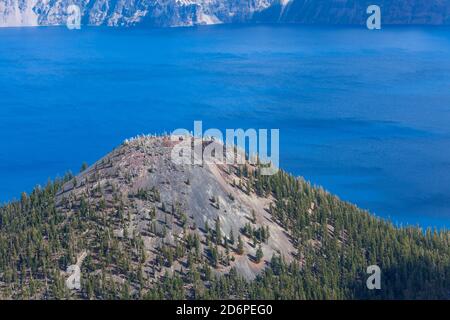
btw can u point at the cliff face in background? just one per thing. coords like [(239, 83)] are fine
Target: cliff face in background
[(161, 13), (417, 12), (15, 13), (170, 13)]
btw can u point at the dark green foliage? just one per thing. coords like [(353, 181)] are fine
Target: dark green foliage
[(240, 246), (259, 254), (31, 245), (218, 233), (84, 166)]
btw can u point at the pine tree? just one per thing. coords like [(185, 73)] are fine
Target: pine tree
[(218, 231), (231, 237), (84, 166), (240, 246), (259, 254)]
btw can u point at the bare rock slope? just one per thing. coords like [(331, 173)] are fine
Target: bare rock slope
[(137, 192)]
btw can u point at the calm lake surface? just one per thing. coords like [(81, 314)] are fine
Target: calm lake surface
[(364, 113)]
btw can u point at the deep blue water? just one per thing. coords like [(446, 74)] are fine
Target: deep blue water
[(364, 113)]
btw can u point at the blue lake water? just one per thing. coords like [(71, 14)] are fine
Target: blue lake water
[(364, 113)]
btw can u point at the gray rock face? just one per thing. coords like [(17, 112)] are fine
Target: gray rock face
[(128, 180), (172, 13)]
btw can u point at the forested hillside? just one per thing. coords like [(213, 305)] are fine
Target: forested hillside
[(139, 243)]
